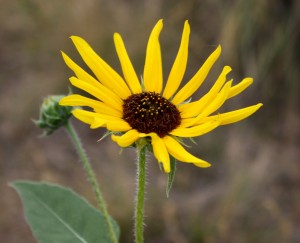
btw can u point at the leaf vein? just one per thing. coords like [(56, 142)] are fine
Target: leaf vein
[(66, 225)]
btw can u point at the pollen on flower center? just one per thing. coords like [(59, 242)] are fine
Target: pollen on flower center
[(149, 112)]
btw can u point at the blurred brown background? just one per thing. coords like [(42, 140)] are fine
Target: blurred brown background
[(250, 194)]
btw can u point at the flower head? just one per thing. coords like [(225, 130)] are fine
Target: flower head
[(132, 110)]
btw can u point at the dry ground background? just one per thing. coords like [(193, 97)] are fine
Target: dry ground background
[(251, 194)]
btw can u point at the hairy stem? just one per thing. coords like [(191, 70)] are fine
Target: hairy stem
[(92, 179), (140, 196)]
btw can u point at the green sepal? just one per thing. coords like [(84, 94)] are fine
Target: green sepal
[(193, 140), (106, 134), (52, 115), (171, 175)]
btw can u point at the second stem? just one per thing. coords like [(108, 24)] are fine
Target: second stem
[(92, 178), (140, 196)]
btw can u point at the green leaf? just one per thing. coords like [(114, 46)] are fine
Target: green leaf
[(171, 175), (58, 214)]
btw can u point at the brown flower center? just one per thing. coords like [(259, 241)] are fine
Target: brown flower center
[(149, 112)]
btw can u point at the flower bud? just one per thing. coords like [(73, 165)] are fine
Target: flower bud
[(52, 115)]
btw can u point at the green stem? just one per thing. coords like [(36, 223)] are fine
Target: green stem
[(92, 178), (140, 197)]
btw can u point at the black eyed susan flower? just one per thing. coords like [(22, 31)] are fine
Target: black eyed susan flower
[(132, 110)]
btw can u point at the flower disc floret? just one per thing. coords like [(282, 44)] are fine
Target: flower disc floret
[(149, 112)]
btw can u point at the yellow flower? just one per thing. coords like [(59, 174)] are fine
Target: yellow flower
[(131, 109)]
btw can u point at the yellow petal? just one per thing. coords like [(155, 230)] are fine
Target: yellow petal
[(215, 104), (195, 131), (126, 139), (92, 118), (179, 65), (153, 77), (98, 122), (128, 70), (159, 150), (233, 116), (202, 164), (198, 78), (79, 72), (98, 106), (179, 153), (84, 116), (240, 87), (194, 108), (107, 76), (118, 126), (102, 93), (185, 122)]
